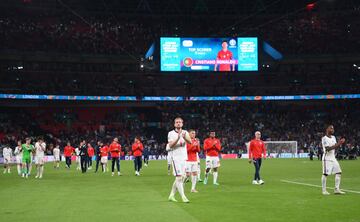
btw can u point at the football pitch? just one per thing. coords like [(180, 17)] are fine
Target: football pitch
[(290, 193)]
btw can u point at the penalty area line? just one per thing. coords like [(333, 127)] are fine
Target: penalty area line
[(313, 185)]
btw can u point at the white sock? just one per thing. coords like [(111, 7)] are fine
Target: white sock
[(193, 182), (173, 189), (215, 175), (323, 183), (206, 175), (180, 186), (41, 171), (337, 181), (9, 170), (19, 169)]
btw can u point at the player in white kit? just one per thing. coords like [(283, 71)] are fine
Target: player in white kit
[(77, 153), (40, 148), (18, 156), (56, 153), (177, 140), (7, 154), (329, 162)]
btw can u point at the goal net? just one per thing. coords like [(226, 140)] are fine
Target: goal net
[(280, 149)]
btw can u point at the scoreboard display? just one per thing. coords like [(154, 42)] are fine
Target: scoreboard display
[(208, 54)]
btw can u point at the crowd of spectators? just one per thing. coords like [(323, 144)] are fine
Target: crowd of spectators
[(234, 124)]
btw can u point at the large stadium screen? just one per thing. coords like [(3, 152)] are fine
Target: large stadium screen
[(208, 54)]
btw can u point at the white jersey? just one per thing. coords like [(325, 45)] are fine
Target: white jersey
[(77, 151), (18, 151), (7, 152), (179, 151), (56, 152), (40, 149), (328, 142)]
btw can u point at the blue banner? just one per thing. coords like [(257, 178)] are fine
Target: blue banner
[(179, 98)]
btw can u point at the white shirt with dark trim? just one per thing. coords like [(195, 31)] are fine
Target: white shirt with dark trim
[(40, 149), (7, 152), (179, 151), (328, 142), (56, 152)]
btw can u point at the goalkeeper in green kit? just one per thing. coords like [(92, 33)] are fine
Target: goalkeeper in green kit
[(27, 150)]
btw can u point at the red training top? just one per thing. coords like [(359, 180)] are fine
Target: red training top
[(192, 150), (212, 146), (137, 149), (68, 151), (115, 149), (104, 151), (256, 149)]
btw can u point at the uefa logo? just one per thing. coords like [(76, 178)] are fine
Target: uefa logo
[(232, 42)]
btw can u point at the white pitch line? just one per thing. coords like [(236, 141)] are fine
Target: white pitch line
[(313, 185)]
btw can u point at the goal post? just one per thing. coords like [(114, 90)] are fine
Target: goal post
[(280, 149)]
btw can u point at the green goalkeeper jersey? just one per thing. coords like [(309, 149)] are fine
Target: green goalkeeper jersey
[(27, 149)]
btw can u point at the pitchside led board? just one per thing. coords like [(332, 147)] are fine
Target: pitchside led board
[(209, 54)]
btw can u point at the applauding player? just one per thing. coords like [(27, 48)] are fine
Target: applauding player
[(40, 147), (330, 164), (192, 162), (177, 140), (27, 150), (137, 149), (212, 147)]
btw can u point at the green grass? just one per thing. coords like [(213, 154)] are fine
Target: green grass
[(68, 195)]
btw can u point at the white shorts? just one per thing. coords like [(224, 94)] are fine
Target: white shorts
[(104, 159), (331, 167), (191, 166), (19, 159), (212, 162), (39, 160), (56, 158), (178, 167), (7, 159)]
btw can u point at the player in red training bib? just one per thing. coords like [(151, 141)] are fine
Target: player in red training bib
[(224, 58)]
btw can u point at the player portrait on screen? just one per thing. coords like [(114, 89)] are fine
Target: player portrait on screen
[(224, 59)]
